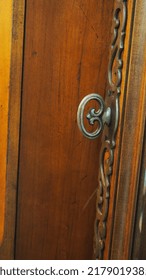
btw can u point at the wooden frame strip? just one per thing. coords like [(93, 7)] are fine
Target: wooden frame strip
[(132, 139), (11, 54)]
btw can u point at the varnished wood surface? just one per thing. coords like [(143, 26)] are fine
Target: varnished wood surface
[(66, 57), (5, 57), (11, 47)]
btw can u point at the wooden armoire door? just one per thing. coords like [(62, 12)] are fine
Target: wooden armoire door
[(58, 188), (66, 50)]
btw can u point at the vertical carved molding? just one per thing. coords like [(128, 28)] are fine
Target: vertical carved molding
[(109, 133)]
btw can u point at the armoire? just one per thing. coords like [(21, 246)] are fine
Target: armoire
[(72, 129)]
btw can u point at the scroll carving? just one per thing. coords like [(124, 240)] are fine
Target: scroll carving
[(109, 133)]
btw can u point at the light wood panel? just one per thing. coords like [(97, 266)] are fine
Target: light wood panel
[(5, 56)]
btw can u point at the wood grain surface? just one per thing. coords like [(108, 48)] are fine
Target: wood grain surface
[(11, 48), (66, 57), (5, 58)]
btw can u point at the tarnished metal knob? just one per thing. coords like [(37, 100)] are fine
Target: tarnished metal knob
[(102, 115)]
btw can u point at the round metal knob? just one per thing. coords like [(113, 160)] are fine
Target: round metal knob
[(102, 115)]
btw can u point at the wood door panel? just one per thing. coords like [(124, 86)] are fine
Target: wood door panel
[(65, 58)]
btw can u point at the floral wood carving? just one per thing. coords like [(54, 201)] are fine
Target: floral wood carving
[(109, 133)]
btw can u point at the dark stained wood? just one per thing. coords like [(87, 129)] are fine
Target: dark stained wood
[(66, 57), (139, 244)]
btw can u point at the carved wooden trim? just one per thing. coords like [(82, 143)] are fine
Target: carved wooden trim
[(132, 133), (109, 134)]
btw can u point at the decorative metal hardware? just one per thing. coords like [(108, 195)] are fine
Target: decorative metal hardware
[(109, 132), (102, 116)]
